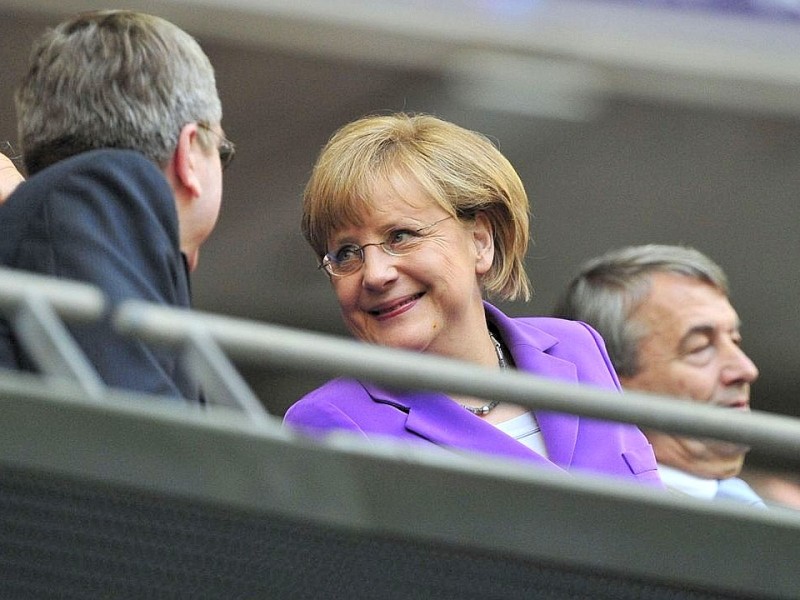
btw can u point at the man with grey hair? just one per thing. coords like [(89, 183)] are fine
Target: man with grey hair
[(119, 129), (670, 329)]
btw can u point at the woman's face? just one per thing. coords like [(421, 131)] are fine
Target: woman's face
[(428, 300)]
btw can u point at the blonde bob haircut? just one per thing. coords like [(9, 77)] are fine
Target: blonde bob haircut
[(459, 170)]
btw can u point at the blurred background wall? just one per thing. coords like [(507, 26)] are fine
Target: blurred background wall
[(629, 122)]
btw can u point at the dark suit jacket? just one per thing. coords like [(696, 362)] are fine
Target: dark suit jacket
[(105, 217), (554, 348)]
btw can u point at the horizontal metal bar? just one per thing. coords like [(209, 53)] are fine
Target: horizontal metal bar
[(276, 345), (72, 300)]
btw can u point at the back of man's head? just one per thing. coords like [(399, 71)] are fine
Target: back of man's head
[(609, 288), (112, 79)]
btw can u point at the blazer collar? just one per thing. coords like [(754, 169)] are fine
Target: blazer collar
[(529, 347)]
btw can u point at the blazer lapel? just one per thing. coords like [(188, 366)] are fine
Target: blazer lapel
[(560, 430), (529, 348)]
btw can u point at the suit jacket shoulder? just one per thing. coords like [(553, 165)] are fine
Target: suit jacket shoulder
[(113, 206), (108, 218)]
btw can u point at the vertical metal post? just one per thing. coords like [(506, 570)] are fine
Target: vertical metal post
[(219, 379), (55, 352)]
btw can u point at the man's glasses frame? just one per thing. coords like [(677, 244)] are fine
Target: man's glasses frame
[(226, 148)]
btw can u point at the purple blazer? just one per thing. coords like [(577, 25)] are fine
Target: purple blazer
[(557, 348)]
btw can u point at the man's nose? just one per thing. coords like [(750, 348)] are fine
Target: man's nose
[(740, 368)]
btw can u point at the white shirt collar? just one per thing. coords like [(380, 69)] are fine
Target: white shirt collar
[(687, 483)]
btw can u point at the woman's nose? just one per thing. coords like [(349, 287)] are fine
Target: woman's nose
[(379, 267)]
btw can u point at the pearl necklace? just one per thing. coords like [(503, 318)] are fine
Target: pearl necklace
[(501, 360)]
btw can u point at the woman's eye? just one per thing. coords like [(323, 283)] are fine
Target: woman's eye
[(346, 253), (402, 237)]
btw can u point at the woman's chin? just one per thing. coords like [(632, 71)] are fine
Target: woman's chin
[(402, 342)]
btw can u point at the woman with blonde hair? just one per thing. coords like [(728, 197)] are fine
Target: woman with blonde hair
[(415, 219)]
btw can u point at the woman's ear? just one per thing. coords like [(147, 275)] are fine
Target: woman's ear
[(185, 159), (483, 238)]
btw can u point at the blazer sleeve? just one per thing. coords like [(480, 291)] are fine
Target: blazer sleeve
[(328, 408)]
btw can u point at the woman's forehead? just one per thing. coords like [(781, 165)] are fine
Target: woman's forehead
[(395, 195), (385, 215), (382, 201)]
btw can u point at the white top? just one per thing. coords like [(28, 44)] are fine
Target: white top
[(525, 430)]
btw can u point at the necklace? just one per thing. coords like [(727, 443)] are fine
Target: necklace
[(501, 360)]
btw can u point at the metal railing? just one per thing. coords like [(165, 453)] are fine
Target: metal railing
[(262, 343), (211, 343), (34, 306)]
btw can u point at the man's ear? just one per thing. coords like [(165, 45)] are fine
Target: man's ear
[(10, 177), (185, 159), (483, 238)]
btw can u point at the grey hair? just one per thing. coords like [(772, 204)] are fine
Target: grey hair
[(112, 79), (609, 288)]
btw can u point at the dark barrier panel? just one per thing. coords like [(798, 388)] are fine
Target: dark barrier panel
[(139, 498), (66, 538)]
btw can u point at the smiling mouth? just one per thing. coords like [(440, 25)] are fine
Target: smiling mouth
[(385, 310), (739, 405)]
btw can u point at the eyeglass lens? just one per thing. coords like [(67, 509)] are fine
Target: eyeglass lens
[(226, 148), (226, 152), (349, 259)]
